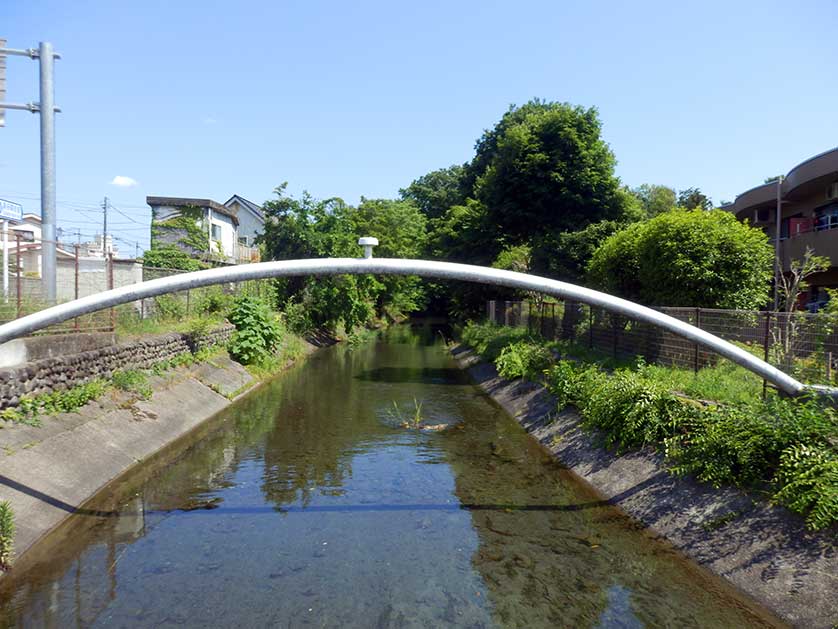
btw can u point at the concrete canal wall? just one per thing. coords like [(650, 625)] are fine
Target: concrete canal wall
[(48, 472), (764, 551), (68, 369)]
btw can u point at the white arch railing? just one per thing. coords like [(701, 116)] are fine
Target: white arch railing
[(395, 266)]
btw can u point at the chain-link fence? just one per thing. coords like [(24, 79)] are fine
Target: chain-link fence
[(84, 269), (802, 344)]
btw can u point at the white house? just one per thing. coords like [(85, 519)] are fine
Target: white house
[(219, 222)]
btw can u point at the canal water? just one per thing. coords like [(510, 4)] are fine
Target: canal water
[(309, 504)]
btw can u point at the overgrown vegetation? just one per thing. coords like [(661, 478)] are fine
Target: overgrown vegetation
[(258, 331), (29, 408), (7, 534), (132, 381), (785, 447)]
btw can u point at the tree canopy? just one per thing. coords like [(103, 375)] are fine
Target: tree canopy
[(655, 199), (544, 167), (687, 258)]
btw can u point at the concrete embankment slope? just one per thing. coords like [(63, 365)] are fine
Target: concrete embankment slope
[(48, 472), (765, 552)]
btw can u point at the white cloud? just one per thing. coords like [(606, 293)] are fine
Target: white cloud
[(208, 120), (124, 182)]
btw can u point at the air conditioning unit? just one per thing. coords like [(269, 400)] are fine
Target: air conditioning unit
[(832, 191), (762, 215)]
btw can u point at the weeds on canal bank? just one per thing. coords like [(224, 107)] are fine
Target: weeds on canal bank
[(7, 534), (787, 448), (132, 381), (29, 408)]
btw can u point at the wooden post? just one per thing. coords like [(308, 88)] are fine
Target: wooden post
[(829, 366), (76, 284)]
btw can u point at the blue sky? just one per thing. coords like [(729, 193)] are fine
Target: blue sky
[(208, 99)]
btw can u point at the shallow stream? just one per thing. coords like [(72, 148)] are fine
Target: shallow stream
[(308, 503)]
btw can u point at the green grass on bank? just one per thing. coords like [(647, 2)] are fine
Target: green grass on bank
[(787, 448)]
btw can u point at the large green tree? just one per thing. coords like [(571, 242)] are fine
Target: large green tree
[(437, 191), (306, 227), (694, 199), (544, 168), (687, 258), (655, 199)]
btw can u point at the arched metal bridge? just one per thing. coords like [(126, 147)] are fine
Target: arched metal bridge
[(395, 266)]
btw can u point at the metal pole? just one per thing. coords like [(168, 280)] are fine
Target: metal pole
[(110, 287), (17, 268), (698, 325), (76, 283), (765, 344), (6, 261), (777, 262), (46, 58), (105, 227)]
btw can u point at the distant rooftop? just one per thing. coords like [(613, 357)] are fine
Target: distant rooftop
[(190, 202), (250, 205)]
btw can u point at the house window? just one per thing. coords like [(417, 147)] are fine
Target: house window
[(25, 235), (243, 241), (826, 217), (216, 232)]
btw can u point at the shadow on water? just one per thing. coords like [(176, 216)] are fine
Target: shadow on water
[(426, 375), (302, 506)]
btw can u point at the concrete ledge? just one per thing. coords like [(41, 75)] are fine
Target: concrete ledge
[(46, 481), (766, 552)]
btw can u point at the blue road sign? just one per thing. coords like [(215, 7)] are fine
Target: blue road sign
[(10, 211)]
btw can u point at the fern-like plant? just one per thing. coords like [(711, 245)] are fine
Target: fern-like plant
[(7, 534)]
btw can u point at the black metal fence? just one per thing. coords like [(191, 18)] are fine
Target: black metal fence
[(802, 344)]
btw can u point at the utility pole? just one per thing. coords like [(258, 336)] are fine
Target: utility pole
[(105, 228), (778, 263), (47, 109)]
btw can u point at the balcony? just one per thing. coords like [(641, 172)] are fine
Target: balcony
[(824, 242)]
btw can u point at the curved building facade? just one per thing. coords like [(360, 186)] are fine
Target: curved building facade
[(808, 198)]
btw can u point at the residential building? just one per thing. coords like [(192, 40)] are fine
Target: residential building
[(219, 222), (808, 200), (81, 270), (251, 219)]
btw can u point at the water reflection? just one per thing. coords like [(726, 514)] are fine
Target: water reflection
[(305, 507)]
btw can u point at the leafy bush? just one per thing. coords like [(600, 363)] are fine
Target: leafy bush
[(214, 301), (7, 534), (570, 383), (132, 381), (743, 444), (631, 410), (523, 359), (687, 258), (808, 483), (169, 307), (258, 331), (297, 318), (488, 339)]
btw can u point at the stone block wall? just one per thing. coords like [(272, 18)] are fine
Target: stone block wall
[(62, 372)]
